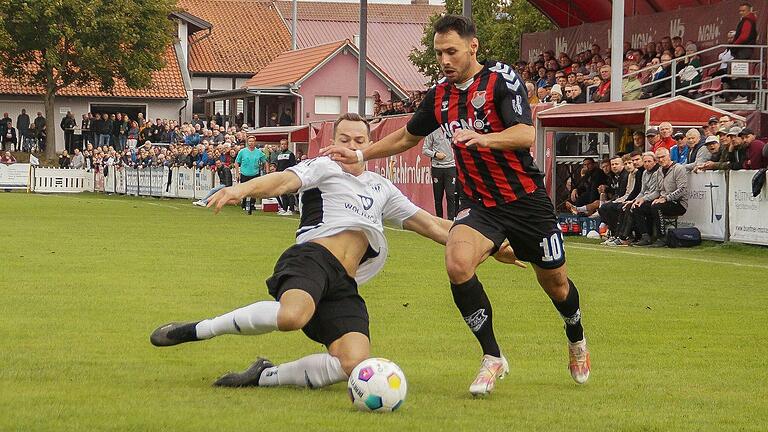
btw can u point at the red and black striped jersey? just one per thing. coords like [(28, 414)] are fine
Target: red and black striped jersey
[(493, 100)]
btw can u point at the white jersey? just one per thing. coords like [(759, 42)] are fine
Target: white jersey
[(332, 201)]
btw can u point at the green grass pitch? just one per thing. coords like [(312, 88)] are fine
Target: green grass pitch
[(678, 337)]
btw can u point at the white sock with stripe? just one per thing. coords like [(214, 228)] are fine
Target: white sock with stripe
[(313, 371), (254, 319)]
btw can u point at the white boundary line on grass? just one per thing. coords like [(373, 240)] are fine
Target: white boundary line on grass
[(652, 255)]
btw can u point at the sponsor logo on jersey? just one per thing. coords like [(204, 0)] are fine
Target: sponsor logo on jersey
[(444, 106), (476, 320), (367, 201), (478, 99)]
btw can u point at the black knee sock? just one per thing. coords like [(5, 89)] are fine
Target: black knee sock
[(475, 307), (569, 310)]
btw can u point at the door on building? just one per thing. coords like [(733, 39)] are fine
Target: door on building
[(132, 110)]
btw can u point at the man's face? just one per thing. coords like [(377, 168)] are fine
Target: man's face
[(713, 147), (605, 166), (633, 69), (736, 140), (605, 73), (352, 135), (743, 11), (724, 121), (638, 141), (251, 143), (653, 139), (663, 158), (637, 161), (284, 145), (629, 166), (455, 55), (665, 129), (617, 165), (648, 162), (748, 138), (541, 92), (589, 165), (692, 140)]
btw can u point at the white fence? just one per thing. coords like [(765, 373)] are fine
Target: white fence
[(720, 204)]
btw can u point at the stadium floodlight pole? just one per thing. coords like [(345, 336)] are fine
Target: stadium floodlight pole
[(617, 48), (294, 19), (467, 8), (363, 51)]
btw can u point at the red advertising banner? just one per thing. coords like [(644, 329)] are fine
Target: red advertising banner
[(706, 25)]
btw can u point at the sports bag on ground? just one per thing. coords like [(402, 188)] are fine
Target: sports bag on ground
[(683, 237)]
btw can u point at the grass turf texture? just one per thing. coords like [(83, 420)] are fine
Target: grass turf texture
[(677, 336)]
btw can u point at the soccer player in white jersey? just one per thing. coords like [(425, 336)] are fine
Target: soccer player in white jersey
[(339, 244)]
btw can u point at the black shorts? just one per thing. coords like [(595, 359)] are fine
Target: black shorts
[(339, 309), (529, 224)]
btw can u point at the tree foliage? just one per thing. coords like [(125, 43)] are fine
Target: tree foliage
[(500, 24), (53, 44)]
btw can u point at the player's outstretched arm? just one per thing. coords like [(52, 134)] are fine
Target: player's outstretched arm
[(270, 185), (394, 143)]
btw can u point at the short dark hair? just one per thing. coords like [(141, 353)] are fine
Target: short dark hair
[(636, 153), (458, 23), (351, 117), (747, 4)]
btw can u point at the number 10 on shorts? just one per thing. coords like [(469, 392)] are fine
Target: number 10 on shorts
[(552, 247)]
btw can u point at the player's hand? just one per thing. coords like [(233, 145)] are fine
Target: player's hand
[(507, 255), (439, 155), (223, 197), (339, 154), (470, 138)]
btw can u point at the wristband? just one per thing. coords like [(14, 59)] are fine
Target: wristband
[(360, 158)]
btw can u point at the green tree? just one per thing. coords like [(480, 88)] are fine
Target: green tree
[(53, 44), (500, 25)]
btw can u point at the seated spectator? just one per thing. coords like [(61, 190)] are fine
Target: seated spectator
[(661, 81), (755, 150), (555, 95), (617, 180), (64, 159), (670, 200), (679, 152), (7, 158), (78, 160), (638, 143), (603, 91), (690, 74), (543, 94), (585, 196), (533, 98), (574, 95), (630, 86), (649, 185), (616, 213)]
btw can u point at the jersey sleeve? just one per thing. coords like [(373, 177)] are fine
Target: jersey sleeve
[(423, 121), (511, 99), (312, 171), (398, 208)]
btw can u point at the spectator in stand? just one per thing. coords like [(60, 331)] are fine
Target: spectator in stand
[(654, 138), (755, 150), (746, 34), (78, 160), (197, 122), (603, 92), (697, 153), (638, 143), (725, 122), (543, 94), (122, 132), (665, 135), (286, 118), (285, 159), (574, 95), (250, 162), (105, 126), (616, 213), (68, 124), (85, 130), (585, 196), (631, 84), (689, 73), (737, 150), (64, 159), (718, 156), (533, 98), (679, 152), (10, 137), (617, 180), (661, 80), (670, 200), (22, 125), (4, 123), (555, 95)]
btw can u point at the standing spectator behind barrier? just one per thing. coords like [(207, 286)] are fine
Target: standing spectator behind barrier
[(755, 159), (285, 159), (9, 137), (671, 200), (443, 169), (85, 130), (64, 160), (665, 133), (697, 152), (679, 152), (22, 125), (250, 162), (746, 34), (68, 124)]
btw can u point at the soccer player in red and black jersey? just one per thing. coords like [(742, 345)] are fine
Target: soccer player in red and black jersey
[(483, 108)]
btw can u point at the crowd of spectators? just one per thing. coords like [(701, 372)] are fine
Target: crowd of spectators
[(390, 107), (632, 193), (586, 77)]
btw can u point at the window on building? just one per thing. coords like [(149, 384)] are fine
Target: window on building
[(328, 105), (198, 105), (352, 105)]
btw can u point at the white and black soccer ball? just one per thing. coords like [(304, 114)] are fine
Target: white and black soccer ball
[(377, 385)]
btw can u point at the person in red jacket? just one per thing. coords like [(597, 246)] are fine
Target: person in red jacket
[(746, 34), (755, 150)]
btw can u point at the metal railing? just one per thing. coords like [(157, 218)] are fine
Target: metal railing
[(755, 74)]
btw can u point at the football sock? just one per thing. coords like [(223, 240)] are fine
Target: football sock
[(254, 319), (475, 307), (313, 371), (569, 310)]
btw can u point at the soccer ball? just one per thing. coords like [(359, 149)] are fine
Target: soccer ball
[(377, 385)]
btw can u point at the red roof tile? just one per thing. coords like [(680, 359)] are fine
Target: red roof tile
[(246, 36), (291, 66), (167, 83), (377, 12)]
